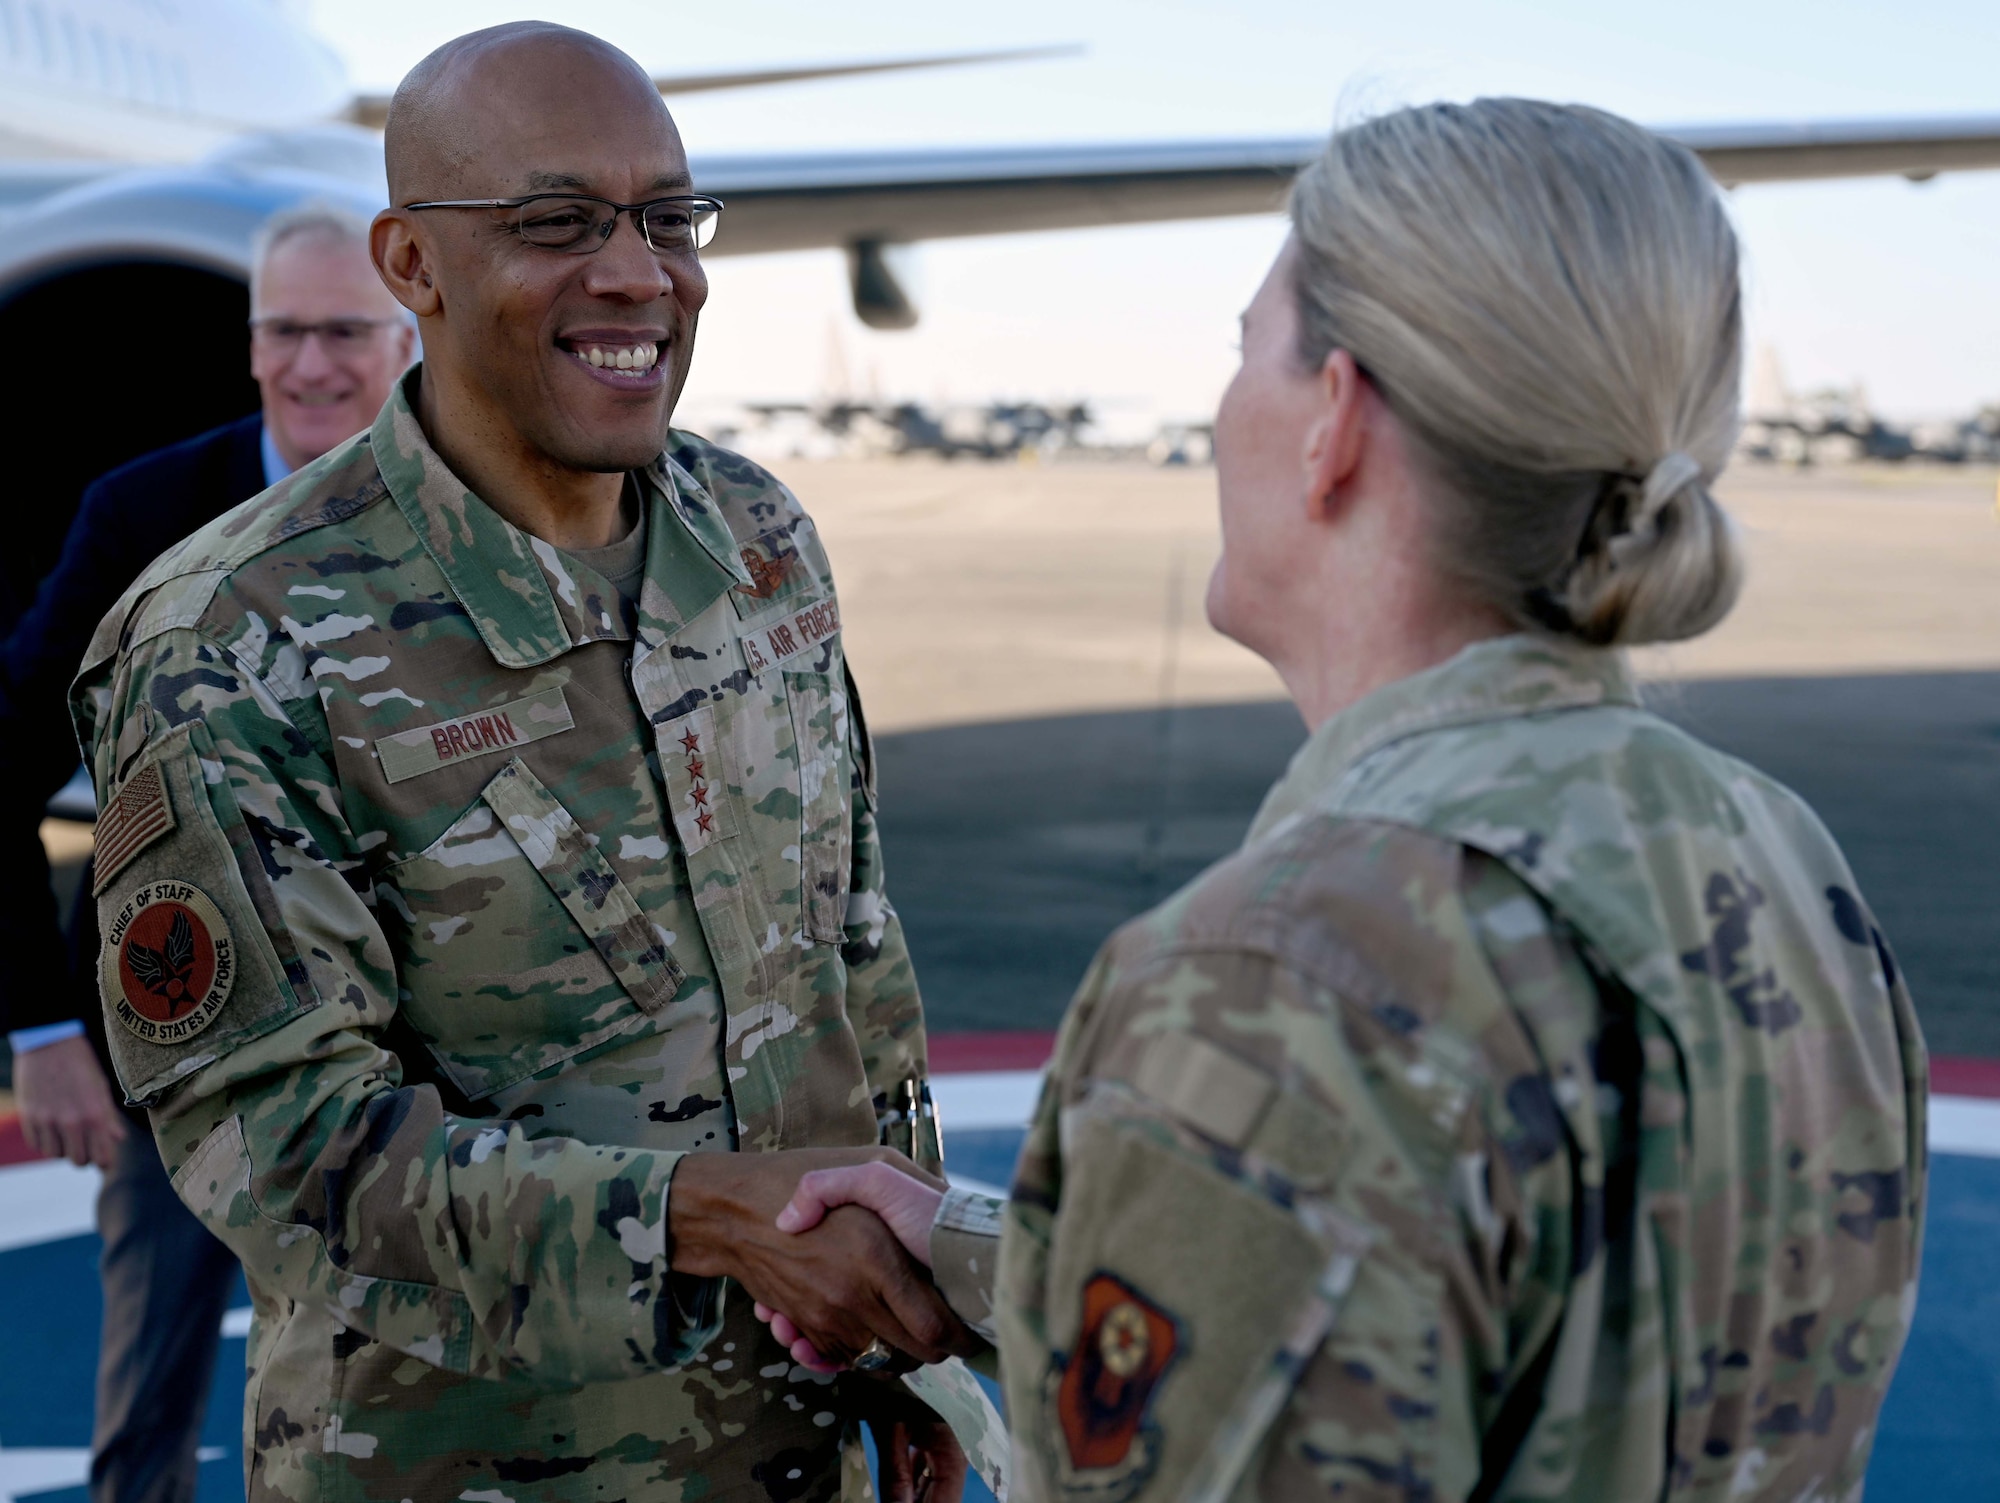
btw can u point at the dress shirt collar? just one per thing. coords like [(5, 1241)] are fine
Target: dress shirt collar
[(275, 468)]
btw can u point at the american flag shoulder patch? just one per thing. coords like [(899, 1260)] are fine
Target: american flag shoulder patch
[(138, 814)]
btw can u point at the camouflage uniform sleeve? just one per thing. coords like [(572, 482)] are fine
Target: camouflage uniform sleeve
[(965, 1250), (279, 1108), (1177, 1249), (1253, 1233)]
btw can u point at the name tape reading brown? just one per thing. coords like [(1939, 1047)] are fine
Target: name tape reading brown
[(411, 753)]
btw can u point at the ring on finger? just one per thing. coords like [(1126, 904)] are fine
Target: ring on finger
[(877, 1355)]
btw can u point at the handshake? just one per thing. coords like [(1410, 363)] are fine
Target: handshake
[(833, 1245)]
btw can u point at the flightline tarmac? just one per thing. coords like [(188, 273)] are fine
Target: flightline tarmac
[(1062, 741)]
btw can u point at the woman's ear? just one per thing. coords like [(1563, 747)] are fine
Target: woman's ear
[(1337, 437), (402, 263)]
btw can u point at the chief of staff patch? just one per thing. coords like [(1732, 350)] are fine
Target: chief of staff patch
[(168, 962)]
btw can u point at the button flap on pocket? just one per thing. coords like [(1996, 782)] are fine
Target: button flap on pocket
[(584, 883), (1235, 1103), (1207, 1087)]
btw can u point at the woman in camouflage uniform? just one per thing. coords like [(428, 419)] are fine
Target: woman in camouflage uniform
[(1531, 1108)]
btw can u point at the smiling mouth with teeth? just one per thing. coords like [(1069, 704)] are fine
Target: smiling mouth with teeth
[(637, 358)]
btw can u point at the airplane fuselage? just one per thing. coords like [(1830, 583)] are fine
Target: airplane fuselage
[(157, 80)]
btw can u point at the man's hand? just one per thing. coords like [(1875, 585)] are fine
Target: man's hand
[(844, 1285), (66, 1106)]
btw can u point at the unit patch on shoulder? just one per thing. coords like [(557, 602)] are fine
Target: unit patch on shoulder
[(168, 962), (138, 814), (1123, 1349)]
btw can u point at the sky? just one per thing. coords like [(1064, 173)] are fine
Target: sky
[(1890, 284)]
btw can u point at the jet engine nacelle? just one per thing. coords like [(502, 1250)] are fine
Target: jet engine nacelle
[(877, 279), (201, 216)]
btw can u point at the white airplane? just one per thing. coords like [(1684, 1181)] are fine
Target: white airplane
[(141, 142)]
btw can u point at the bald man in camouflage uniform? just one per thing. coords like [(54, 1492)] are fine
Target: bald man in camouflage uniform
[(468, 896)]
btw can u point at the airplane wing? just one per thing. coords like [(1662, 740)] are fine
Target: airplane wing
[(63, 215), (866, 201), (899, 197), (1776, 153), (372, 110), (798, 202)]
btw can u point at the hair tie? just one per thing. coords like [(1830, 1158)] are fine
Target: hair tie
[(1667, 478)]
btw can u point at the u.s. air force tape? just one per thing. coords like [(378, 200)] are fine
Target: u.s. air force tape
[(168, 962)]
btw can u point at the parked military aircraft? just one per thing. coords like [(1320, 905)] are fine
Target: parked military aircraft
[(144, 142)]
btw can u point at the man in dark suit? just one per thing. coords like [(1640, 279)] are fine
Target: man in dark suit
[(327, 343)]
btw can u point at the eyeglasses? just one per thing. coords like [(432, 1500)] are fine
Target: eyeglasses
[(337, 336), (579, 223)]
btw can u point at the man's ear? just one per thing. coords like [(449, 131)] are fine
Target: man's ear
[(403, 262), (1336, 437)]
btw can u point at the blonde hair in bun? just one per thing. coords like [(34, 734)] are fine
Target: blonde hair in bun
[(1548, 298)]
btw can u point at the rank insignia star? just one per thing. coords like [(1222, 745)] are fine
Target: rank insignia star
[(694, 768), (705, 822), (699, 793), (692, 742)]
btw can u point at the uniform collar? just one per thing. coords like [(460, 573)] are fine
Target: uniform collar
[(1503, 678), (529, 601)]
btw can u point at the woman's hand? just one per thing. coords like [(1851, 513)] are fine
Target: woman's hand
[(906, 1206)]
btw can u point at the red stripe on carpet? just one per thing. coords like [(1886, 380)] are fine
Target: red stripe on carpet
[(965, 1053), (1964, 1077), (14, 1147), (960, 1053)]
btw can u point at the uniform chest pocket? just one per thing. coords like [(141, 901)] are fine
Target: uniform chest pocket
[(819, 715), (520, 946)]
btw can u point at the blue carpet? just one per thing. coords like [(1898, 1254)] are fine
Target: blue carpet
[(1941, 1426), (1938, 1442)]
